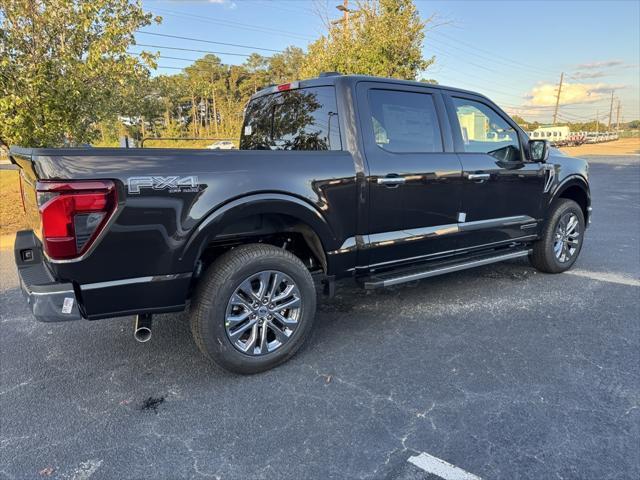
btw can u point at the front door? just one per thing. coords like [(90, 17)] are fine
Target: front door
[(502, 193), (414, 177)]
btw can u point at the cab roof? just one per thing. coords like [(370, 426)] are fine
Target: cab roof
[(333, 78)]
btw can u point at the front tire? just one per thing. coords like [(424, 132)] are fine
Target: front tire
[(254, 308), (561, 240)]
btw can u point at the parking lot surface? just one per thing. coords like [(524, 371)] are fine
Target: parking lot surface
[(501, 371)]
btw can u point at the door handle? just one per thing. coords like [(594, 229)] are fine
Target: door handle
[(479, 176), (391, 181)]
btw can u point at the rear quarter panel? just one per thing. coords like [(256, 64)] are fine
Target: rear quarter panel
[(151, 231)]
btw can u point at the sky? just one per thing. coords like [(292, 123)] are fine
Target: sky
[(512, 51)]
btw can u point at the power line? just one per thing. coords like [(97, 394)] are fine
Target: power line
[(199, 60), (491, 59), (208, 41), (192, 50), (448, 54), (234, 24), (493, 54), (173, 68), (477, 75), (549, 107), (288, 8)]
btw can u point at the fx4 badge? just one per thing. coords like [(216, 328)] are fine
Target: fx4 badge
[(173, 184)]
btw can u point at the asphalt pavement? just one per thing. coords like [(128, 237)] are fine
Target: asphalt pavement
[(501, 372)]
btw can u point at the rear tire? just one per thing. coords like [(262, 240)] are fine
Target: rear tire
[(254, 308), (561, 240)]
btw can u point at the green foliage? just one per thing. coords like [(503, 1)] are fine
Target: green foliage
[(591, 126), (64, 67), (66, 77), (382, 38), (208, 97), (286, 66), (519, 120)]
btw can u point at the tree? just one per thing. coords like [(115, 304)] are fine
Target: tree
[(286, 66), (257, 66), (382, 38), (64, 67)]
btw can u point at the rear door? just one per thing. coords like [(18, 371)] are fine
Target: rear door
[(414, 177), (502, 193)]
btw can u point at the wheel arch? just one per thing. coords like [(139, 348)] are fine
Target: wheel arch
[(255, 217), (574, 188)]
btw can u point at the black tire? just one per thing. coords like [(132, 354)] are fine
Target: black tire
[(543, 256), (219, 283)]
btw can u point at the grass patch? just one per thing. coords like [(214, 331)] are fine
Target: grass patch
[(12, 216)]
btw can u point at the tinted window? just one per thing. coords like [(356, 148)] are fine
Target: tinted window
[(302, 119), (404, 121), (484, 131)]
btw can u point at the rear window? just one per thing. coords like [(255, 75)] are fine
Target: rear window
[(302, 119)]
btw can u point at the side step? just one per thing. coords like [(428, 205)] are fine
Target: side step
[(395, 278)]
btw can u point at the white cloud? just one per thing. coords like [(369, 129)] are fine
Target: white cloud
[(583, 75), (544, 95), (602, 64), (228, 3)]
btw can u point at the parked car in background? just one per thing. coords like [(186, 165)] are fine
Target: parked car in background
[(576, 138), (222, 145)]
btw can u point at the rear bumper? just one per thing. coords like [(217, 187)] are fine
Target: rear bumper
[(49, 300)]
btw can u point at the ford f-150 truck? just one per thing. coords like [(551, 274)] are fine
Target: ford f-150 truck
[(385, 181)]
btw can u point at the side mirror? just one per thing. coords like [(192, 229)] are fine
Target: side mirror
[(539, 150)]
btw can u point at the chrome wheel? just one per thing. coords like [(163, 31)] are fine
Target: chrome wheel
[(567, 237), (263, 312)]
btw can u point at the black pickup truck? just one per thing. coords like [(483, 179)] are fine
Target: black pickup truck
[(382, 180)]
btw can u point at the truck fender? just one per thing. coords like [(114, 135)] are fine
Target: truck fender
[(575, 183), (272, 203)]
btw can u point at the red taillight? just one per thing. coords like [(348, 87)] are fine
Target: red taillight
[(73, 214)]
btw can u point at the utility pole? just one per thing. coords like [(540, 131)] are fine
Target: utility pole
[(610, 112), (618, 116), (555, 113), (345, 14), (346, 11), (597, 123)]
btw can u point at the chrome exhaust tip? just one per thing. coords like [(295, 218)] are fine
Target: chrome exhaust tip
[(142, 328)]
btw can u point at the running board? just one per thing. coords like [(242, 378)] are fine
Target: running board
[(390, 279)]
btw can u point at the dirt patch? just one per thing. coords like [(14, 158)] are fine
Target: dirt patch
[(12, 216), (624, 146)]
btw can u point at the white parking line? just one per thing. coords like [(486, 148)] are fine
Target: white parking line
[(442, 469), (606, 277)]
